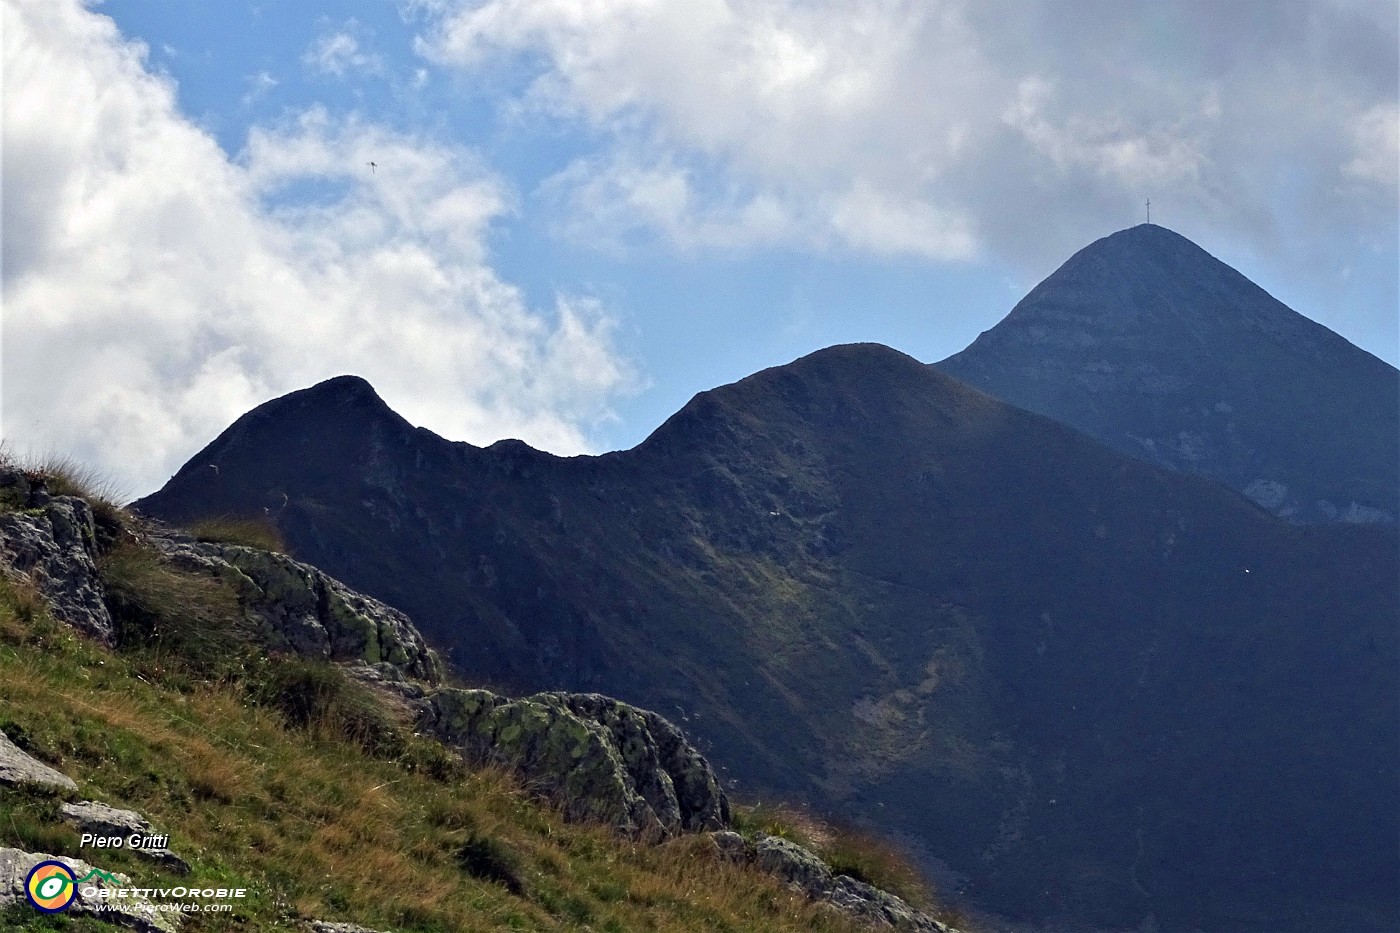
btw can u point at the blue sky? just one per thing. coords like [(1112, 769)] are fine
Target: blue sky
[(584, 213)]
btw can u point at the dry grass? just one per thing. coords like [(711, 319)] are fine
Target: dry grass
[(847, 849), (315, 828), (875, 860), (21, 604), (64, 476), (256, 532), (179, 619)]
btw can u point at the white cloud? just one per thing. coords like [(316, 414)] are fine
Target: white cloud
[(1375, 135), (258, 85), (932, 128), (339, 52), (155, 289)]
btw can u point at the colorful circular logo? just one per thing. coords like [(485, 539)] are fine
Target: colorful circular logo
[(50, 887)]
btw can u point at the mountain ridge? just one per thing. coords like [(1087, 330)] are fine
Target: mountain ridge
[(864, 584), (258, 710)]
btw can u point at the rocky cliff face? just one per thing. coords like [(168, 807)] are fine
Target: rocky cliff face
[(51, 543), (1151, 345)]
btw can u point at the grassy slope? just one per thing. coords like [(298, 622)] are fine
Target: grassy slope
[(326, 820)]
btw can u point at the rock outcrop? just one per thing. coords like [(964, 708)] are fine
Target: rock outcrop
[(89, 816), (601, 759), (297, 608), (51, 542), (133, 912), (795, 864), (804, 871), (18, 767)]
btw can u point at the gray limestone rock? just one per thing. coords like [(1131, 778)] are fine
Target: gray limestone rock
[(300, 609), (385, 678), (806, 872), (793, 863), (321, 926), (132, 912), (18, 767), (673, 778), (730, 845), (89, 816), (601, 759), (54, 546), (880, 908)]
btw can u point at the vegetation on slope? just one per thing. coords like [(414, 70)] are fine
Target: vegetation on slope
[(282, 776)]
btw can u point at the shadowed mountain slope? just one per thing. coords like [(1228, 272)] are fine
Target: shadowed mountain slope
[(1148, 343), (1099, 690)]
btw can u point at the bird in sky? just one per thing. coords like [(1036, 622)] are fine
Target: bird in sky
[(371, 166)]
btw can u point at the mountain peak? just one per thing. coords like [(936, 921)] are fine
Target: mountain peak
[(1150, 344), (1150, 282), (340, 420), (340, 390)]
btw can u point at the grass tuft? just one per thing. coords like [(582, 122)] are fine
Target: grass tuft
[(490, 859), (876, 861), (320, 698), (179, 619), (258, 533), (849, 851), (65, 476)]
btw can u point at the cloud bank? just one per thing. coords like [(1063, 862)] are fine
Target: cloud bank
[(950, 129), (155, 288)]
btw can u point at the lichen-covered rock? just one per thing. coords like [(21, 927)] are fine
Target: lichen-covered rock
[(18, 767), (804, 870), (300, 609), (89, 816), (564, 755), (794, 864), (133, 912), (601, 759), (667, 771), (385, 678), (54, 546), (730, 845), (880, 908)]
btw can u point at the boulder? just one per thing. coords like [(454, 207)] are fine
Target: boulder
[(880, 908), (795, 864), (599, 758), (321, 926), (299, 609), (674, 779), (89, 816), (384, 678), (806, 873), (133, 912), (53, 545), (18, 767), (730, 845)]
